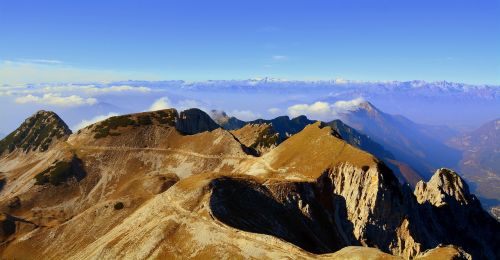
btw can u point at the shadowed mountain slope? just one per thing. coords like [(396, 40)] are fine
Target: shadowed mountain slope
[(409, 142)]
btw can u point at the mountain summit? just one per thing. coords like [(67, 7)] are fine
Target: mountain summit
[(36, 133)]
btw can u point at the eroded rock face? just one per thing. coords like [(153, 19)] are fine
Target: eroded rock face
[(36, 133), (443, 188), (454, 216)]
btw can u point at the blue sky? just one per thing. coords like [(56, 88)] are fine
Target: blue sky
[(198, 40)]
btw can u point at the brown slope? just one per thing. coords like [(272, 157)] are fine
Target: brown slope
[(128, 165), (307, 154)]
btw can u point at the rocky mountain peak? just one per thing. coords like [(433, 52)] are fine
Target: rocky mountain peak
[(445, 187), (36, 133), (368, 108), (193, 121)]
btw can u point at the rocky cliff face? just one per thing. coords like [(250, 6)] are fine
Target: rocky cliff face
[(37, 133), (149, 190), (454, 216)]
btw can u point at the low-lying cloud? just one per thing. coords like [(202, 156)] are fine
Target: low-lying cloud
[(160, 104), (84, 123), (56, 100), (323, 110)]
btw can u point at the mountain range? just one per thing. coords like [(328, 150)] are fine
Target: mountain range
[(413, 151), (480, 161), (169, 184)]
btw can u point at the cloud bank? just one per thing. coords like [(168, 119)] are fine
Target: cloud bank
[(323, 110), (84, 123), (56, 100), (160, 104)]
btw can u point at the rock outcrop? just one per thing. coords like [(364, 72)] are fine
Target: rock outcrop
[(443, 188)]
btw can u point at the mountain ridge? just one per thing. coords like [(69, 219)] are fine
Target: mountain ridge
[(152, 191)]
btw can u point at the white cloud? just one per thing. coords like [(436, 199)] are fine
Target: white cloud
[(245, 115), (56, 100), (318, 109), (348, 104), (111, 89), (274, 111), (162, 103), (323, 110), (340, 81), (84, 123), (40, 61), (279, 57)]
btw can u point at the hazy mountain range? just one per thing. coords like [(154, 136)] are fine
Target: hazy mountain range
[(465, 107)]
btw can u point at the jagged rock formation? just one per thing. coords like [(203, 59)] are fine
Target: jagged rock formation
[(152, 191), (444, 187), (37, 133), (260, 137)]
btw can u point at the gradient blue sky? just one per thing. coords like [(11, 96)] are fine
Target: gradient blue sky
[(452, 40)]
